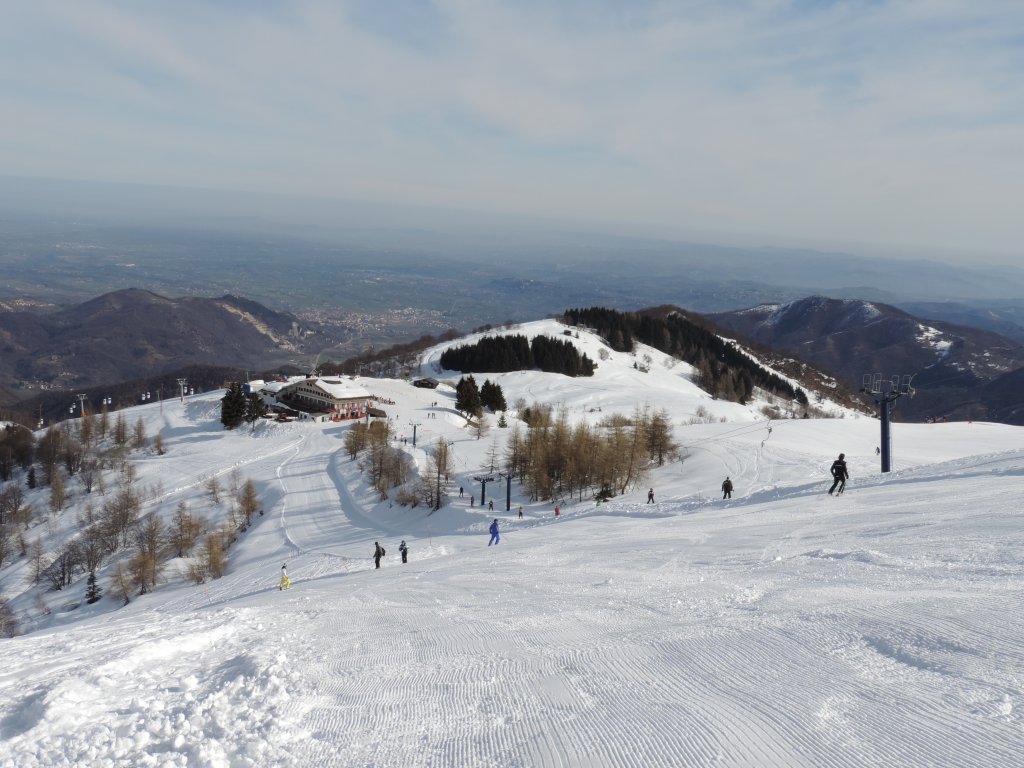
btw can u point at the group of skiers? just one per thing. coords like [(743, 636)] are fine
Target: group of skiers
[(378, 552), (839, 471), (840, 474)]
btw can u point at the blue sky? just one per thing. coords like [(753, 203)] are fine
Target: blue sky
[(830, 123)]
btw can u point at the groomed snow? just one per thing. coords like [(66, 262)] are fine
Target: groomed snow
[(783, 627)]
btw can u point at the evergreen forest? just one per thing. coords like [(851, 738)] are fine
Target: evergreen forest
[(500, 354), (724, 371)]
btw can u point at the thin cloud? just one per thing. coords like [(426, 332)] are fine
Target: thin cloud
[(885, 121)]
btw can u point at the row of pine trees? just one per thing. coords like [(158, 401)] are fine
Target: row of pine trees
[(500, 354)]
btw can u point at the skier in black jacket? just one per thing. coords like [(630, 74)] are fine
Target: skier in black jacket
[(839, 475), (378, 553)]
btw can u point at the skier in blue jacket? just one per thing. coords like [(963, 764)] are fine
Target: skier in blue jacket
[(495, 536)]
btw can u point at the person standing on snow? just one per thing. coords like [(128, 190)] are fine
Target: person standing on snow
[(404, 550), (495, 536), (490, 505), (286, 583), (839, 475), (727, 489), (520, 511), (650, 496), (378, 553)]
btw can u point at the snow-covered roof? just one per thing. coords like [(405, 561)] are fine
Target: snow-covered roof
[(341, 389), (273, 387)]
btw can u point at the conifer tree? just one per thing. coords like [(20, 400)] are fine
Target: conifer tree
[(214, 557), (6, 463), (86, 429), (491, 396), (120, 584), (213, 489), (248, 501), (104, 425), (481, 426), (356, 439), (49, 452), (57, 492), (467, 397), (8, 621), (255, 409), (92, 589), (145, 566), (434, 481), (659, 437), (185, 529), (233, 406), (139, 439), (120, 431)]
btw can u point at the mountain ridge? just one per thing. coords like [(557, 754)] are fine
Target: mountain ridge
[(956, 369), (134, 333)]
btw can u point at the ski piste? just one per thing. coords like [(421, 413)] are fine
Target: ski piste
[(887, 638)]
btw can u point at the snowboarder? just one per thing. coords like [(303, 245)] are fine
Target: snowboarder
[(286, 583), (839, 475), (404, 550), (650, 496), (495, 536), (727, 488), (378, 553)]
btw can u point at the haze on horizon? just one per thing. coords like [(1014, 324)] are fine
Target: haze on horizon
[(823, 124)]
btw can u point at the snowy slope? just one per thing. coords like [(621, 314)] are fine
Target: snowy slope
[(781, 628)]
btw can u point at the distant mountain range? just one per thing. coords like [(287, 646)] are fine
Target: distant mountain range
[(134, 333), (123, 339), (959, 371)]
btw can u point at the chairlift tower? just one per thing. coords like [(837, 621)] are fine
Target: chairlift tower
[(885, 393), (508, 488), (483, 480)]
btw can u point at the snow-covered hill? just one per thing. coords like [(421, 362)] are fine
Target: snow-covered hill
[(782, 627)]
